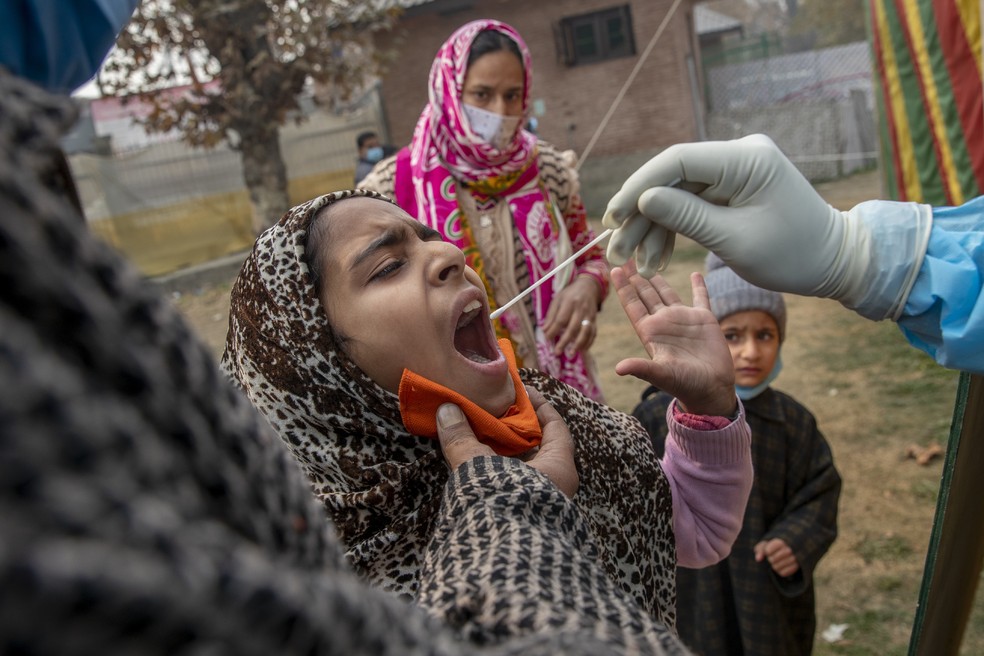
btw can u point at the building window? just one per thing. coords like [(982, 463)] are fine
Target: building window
[(595, 37)]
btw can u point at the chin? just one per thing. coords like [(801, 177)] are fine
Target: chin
[(497, 404)]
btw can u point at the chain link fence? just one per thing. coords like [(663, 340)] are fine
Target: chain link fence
[(818, 106)]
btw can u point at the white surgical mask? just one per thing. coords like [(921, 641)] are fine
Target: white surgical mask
[(496, 129)]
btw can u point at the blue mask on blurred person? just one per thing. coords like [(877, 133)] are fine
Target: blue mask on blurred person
[(59, 45), (374, 154)]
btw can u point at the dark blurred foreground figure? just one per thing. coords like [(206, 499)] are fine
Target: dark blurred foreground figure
[(145, 507)]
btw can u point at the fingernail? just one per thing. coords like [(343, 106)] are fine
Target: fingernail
[(609, 220), (615, 254), (449, 415)]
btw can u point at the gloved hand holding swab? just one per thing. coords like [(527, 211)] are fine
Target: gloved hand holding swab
[(657, 241)]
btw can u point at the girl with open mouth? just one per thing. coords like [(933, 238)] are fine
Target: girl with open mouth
[(351, 323)]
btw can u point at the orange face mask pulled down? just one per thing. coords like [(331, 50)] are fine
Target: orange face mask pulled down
[(514, 433)]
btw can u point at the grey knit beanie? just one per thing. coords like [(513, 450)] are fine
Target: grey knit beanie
[(730, 293)]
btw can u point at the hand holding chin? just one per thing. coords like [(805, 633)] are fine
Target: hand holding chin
[(554, 458)]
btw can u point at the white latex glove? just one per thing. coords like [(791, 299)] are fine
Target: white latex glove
[(746, 202)]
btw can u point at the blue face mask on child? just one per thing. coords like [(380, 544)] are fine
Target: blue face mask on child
[(749, 393), (374, 154)]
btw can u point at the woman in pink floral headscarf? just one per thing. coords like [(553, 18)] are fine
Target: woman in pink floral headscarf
[(511, 203)]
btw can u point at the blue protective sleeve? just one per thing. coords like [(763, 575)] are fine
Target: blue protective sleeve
[(944, 313)]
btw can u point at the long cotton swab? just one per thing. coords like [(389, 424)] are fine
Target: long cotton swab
[(526, 292), (529, 290)]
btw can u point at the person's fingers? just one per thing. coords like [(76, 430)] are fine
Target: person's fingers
[(698, 290), (667, 295), (647, 293), (641, 368), (759, 551), (787, 571), (550, 323), (690, 215), (784, 563), (538, 400), (663, 169), (570, 335), (694, 166), (458, 442), (573, 311), (714, 169), (654, 251), (583, 335), (555, 457), (634, 307), (586, 337), (623, 242), (555, 432), (781, 557)]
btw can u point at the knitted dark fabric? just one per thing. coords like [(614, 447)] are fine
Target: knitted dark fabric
[(730, 293), (146, 507)]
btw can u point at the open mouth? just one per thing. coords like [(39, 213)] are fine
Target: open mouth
[(473, 335)]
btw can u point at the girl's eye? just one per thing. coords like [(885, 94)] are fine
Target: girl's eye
[(389, 269)]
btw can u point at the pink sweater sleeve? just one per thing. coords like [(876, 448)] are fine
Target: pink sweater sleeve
[(710, 473)]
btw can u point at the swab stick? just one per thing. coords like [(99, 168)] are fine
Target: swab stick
[(529, 290)]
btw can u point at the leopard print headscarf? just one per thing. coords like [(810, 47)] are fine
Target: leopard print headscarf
[(382, 485)]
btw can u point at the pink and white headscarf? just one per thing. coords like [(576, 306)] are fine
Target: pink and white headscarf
[(443, 144)]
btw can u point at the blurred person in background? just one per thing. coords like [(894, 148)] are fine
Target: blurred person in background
[(370, 152)]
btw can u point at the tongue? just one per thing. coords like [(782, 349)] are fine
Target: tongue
[(469, 341)]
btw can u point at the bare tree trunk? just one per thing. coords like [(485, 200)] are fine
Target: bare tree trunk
[(266, 178)]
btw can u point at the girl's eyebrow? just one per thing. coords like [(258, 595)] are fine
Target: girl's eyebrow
[(425, 233), (391, 237)]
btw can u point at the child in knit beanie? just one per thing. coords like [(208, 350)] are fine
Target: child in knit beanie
[(754, 324), (759, 600)]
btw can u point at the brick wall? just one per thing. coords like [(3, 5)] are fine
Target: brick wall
[(656, 112)]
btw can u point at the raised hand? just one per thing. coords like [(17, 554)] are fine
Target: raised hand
[(688, 356)]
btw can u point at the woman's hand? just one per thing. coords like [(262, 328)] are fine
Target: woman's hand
[(688, 355), (571, 316), (554, 458)]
